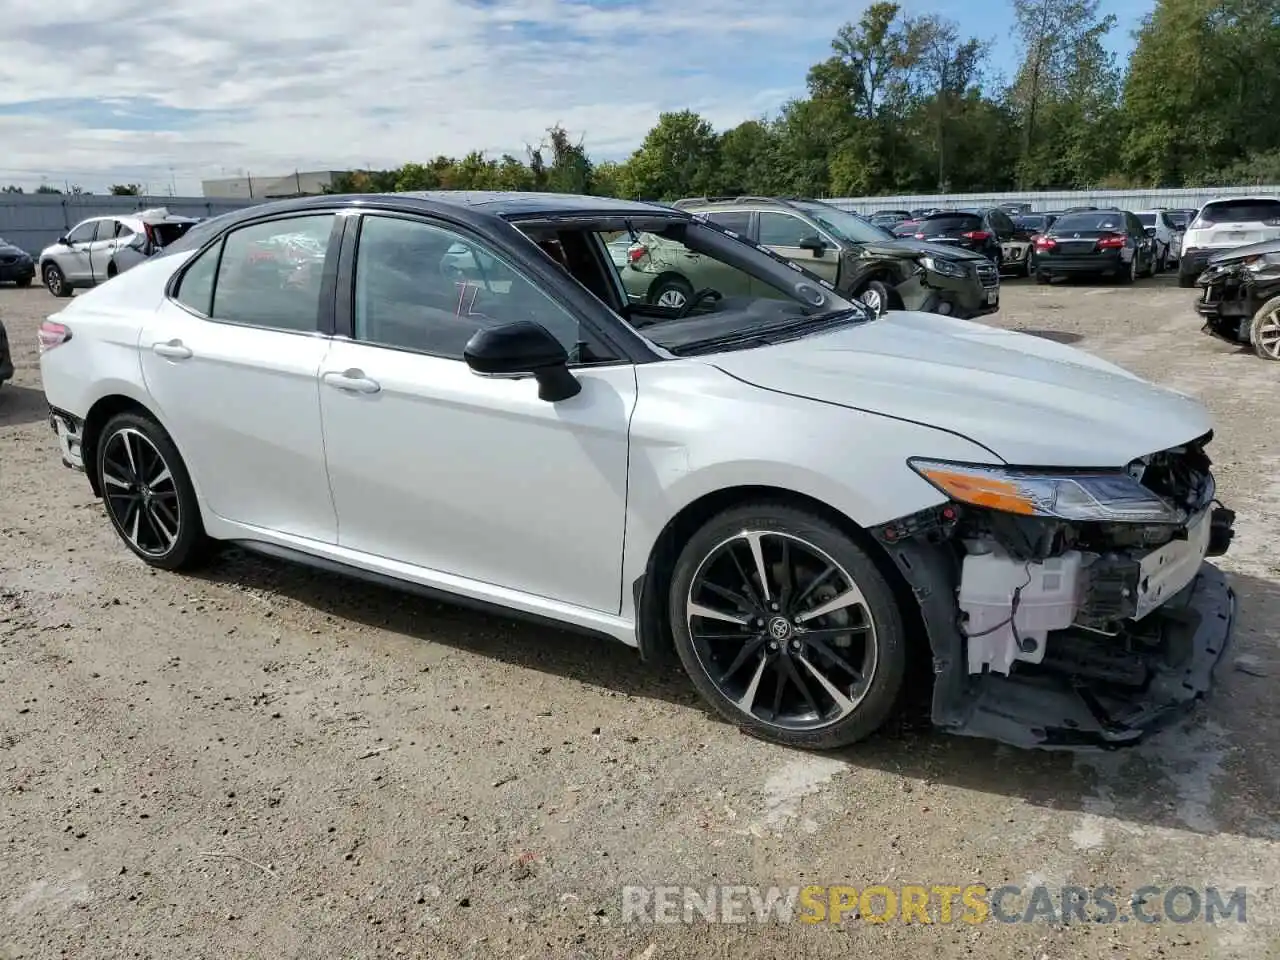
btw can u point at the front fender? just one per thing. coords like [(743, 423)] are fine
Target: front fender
[(697, 431)]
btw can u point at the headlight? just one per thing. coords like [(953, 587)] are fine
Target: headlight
[(944, 267), (1108, 497), (1264, 262)]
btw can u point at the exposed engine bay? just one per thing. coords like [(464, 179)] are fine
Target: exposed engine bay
[(1065, 632)]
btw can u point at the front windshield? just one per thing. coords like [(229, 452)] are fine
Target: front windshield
[(692, 288), (846, 226), (1148, 219)]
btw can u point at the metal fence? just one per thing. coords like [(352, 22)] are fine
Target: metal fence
[(32, 221), (1181, 199)]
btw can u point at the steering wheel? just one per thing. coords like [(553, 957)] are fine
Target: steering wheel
[(706, 293)]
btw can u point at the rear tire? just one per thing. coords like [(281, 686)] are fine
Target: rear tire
[(148, 493), (25, 282), (673, 292), (1129, 272), (754, 640), (1042, 278)]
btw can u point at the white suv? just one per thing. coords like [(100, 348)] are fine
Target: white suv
[(1225, 224), (95, 250), (1168, 237)]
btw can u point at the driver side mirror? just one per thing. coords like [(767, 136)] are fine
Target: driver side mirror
[(64, 241), (814, 245), (523, 349)]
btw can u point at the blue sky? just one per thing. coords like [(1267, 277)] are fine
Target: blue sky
[(102, 91)]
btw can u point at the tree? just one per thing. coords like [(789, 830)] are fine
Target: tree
[(676, 159), (1201, 89), (946, 67), (45, 188), (1062, 57), (12, 188), (125, 189)]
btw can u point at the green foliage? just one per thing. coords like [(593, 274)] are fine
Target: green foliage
[(904, 104), (125, 189)]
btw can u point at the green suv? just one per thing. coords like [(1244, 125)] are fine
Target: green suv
[(857, 257)]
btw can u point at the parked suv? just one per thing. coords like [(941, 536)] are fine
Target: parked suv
[(860, 259), (1225, 224), (982, 230), (95, 250)]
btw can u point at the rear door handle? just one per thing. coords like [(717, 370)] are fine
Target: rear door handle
[(173, 350), (352, 381)]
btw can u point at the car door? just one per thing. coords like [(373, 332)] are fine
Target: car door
[(73, 258), (783, 232), (471, 477), (231, 361), (103, 248)]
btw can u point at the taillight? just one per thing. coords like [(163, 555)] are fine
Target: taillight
[(1113, 242), (978, 235), (636, 254), (151, 236), (1045, 243), (53, 335), (919, 236)]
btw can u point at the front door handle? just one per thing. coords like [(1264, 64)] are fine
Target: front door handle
[(172, 350), (352, 381)]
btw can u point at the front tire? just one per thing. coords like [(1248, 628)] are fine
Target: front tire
[(1185, 280), (875, 296), (787, 627), (1264, 330), (148, 493), (56, 280)]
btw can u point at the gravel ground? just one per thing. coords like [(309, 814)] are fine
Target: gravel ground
[(264, 761)]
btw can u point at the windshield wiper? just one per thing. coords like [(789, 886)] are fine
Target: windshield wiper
[(777, 333)]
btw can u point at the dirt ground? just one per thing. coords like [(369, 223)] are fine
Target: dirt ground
[(265, 761)]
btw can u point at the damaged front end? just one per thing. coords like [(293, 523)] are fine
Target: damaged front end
[(1234, 288), (1069, 608)]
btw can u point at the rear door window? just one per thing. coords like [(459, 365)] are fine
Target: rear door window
[(739, 221)]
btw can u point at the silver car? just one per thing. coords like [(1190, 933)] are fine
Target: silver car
[(97, 249)]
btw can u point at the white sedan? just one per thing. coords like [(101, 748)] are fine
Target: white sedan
[(805, 503)]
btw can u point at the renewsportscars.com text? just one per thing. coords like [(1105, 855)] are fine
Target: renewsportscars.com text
[(917, 903)]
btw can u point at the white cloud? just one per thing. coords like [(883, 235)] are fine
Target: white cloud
[(321, 84)]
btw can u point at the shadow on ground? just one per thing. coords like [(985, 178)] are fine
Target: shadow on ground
[(1057, 336), (1143, 781), (19, 405)]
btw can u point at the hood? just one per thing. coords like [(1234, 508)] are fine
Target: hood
[(9, 249), (1030, 401), (1240, 253), (913, 249)]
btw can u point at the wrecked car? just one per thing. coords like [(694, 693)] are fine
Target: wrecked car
[(801, 501), (861, 259), (1240, 297)]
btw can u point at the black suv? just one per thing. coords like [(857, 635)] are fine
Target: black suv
[(981, 230), (858, 257)]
